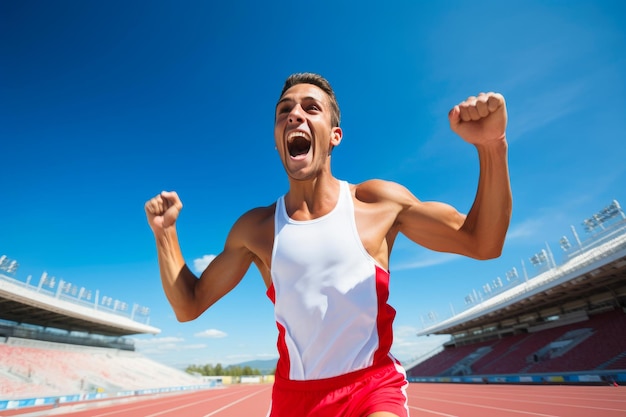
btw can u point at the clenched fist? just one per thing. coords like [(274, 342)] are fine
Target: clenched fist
[(162, 210), (480, 120)]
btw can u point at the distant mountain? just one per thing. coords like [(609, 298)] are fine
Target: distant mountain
[(264, 366)]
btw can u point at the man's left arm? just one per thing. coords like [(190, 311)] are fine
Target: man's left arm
[(482, 121)]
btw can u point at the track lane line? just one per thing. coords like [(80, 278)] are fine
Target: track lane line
[(433, 412), (530, 402), (485, 406), (234, 402), (164, 401)]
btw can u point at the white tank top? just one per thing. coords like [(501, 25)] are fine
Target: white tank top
[(330, 295)]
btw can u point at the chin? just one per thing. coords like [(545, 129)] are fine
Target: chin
[(301, 176)]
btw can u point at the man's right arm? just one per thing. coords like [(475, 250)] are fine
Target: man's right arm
[(189, 295)]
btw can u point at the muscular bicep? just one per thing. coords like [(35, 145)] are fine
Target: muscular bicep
[(434, 225)]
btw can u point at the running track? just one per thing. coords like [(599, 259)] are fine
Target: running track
[(426, 400)]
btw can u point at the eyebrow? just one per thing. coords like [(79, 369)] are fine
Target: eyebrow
[(307, 98)]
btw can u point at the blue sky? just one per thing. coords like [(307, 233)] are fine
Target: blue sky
[(104, 104)]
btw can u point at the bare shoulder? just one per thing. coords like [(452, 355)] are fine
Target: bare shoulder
[(253, 232), (255, 218), (259, 214), (382, 191)]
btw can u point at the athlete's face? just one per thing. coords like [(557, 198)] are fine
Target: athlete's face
[(303, 132)]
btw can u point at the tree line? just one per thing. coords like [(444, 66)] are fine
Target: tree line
[(219, 370)]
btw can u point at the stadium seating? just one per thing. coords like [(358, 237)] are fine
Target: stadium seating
[(602, 347), (445, 360), (500, 351), (33, 368), (517, 357), (606, 343)]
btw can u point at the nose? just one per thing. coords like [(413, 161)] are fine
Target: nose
[(295, 115)]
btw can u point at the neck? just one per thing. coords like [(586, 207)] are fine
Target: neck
[(310, 199)]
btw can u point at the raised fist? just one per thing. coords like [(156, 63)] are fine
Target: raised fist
[(163, 209), (480, 120)]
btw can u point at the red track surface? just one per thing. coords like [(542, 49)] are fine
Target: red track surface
[(424, 400)]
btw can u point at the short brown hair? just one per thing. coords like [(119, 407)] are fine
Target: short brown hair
[(318, 81)]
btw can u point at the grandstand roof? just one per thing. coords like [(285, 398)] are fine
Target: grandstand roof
[(21, 304), (589, 281)]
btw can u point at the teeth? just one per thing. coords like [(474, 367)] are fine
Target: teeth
[(291, 136)]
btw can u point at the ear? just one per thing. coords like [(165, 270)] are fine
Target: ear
[(335, 136)]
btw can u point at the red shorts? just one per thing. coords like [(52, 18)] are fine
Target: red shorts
[(357, 394)]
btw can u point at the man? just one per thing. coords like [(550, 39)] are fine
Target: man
[(323, 251)]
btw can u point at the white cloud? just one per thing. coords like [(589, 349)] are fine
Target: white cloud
[(211, 334), (200, 264), (194, 346), (157, 345), (407, 346), (435, 258), (158, 341), (525, 229)]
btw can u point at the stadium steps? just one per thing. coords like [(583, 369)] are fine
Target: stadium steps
[(589, 347), (618, 362), (464, 366), (562, 345), (605, 344), (11, 374), (439, 362), (505, 347), (514, 360)]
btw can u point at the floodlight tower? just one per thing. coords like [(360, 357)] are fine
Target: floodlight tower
[(580, 245), (42, 280), (603, 216), (541, 259), (551, 257), (8, 265), (619, 209), (512, 274)]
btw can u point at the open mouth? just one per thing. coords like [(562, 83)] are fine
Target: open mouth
[(298, 144)]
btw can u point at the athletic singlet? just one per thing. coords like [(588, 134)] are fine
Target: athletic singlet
[(330, 296)]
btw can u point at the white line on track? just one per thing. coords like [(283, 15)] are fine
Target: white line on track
[(234, 402), (433, 412), (511, 400), (530, 413), (144, 404)]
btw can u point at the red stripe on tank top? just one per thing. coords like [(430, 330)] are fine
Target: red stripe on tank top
[(283, 366), (386, 314)]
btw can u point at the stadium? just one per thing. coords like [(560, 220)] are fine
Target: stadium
[(563, 326), (60, 343)]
